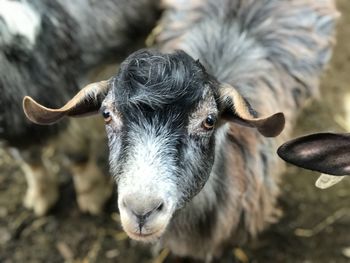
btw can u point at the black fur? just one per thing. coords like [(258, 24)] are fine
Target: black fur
[(151, 79)]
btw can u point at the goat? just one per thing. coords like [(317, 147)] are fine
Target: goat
[(185, 123), (328, 153), (46, 48)]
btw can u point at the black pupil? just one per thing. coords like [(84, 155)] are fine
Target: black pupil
[(105, 114), (210, 120)]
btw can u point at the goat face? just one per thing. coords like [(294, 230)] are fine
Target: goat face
[(161, 113)]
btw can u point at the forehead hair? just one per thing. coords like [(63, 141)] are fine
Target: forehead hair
[(152, 80)]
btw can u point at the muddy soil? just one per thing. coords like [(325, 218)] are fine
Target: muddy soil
[(315, 226)]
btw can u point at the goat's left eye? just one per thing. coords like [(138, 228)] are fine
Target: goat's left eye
[(107, 116), (209, 122)]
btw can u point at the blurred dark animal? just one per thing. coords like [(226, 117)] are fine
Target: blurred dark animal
[(46, 49), (328, 153), (191, 172)]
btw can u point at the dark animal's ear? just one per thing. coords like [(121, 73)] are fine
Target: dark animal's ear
[(86, 101), (234, 107), (327, 153)]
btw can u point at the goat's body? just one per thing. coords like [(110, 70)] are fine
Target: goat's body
[(47, 47), (273, 52)]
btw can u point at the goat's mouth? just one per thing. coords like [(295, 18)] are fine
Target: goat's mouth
[(150, 231), (145, 236)]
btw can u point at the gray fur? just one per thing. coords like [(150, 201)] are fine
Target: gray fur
[(273, 52), (172, 127), (219, 186)]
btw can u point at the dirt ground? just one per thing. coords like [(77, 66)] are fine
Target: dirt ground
[(315, 226)]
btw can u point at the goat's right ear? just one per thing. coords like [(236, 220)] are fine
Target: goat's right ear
[(86, 101), (235, 108), (327, 153)]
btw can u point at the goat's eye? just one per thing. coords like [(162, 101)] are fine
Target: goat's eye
[(107, 116), (209, 122)]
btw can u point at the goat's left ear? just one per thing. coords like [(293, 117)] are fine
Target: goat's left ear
[(86, 101), (327, 153), (234, 107)]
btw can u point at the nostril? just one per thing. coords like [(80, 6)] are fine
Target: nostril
[(160, 207), (124, 203)]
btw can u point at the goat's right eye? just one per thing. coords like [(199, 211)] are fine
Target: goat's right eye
[(107, 116), (209, 122)]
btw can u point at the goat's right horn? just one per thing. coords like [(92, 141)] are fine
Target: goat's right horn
[(86, 101)]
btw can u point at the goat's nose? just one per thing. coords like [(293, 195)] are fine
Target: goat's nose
[(143, 207)]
